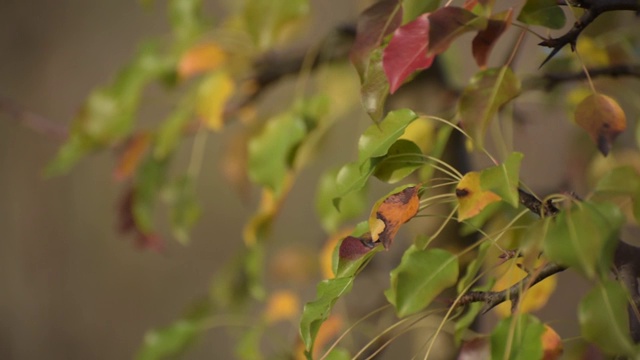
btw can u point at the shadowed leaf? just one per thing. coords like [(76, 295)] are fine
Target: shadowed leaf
[(266, 20), (503, 179), (375, 87), (602, 118), (415, 8), (403, 158), (542, 12), (351, 205), (521, 341), (378, 138), (484, 41), (448, 23)]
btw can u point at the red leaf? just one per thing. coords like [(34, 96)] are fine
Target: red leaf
[(407, 51), (447, 23), (486, 39), (378, 21), (353, 248)]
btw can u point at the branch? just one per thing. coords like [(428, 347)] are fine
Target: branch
[(593, 9), (35, 122)]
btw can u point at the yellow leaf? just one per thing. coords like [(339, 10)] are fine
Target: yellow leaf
[(422, 132), (212, 99), (534, 298), (592, 53), (395, 210), (471, 198), (602, 118), (282, 305), (201, 58)]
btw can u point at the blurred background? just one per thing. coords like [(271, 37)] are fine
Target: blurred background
[(71, 286)]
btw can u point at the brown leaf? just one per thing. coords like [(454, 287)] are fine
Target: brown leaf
[(486, 38), (395, 210), (602, 118), (134, 149), (471, 198)]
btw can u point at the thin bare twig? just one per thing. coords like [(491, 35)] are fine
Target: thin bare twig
[(33, 121)]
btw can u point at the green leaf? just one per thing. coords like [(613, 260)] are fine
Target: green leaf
[(148, 182), (584, 237), (351, 205), (270, 152), (378, 138), (544, 13), (621, 180), (486, 93), (317, 311), (169, 342), (603, 318), (75, 148), (347, 268), (352, 177), (473, 267), (248, 347), (420, 277), (441, 141), (472, 311), (187, 20), (266, 19), (171, 130), (503, 179), (338, 354), (185, 210), (519, 341), (402, 159), (375, 86), (415, 8)]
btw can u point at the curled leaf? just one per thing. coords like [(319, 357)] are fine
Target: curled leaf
[(395, 210), (602, 118), (487, 38)]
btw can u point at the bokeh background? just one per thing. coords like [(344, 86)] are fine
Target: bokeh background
[(72, 287)]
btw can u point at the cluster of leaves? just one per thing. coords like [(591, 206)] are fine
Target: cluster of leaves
[(215, 82)]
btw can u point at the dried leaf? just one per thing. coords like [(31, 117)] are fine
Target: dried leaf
[(602, 118), (201, 58), (395, 210), (484, 41), (471, 198), (134, 149), (407, 52)]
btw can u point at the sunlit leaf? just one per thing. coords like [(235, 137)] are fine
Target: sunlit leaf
[(281, 305), (503, 179), (420, 277), (171, 341), (484, 41), (486, 93), (375, 87), (521, 341), (270, 151), (392, 211), (351, 205), (131, 155), (402, 159), (185, 210), (448, 23), (201, 58), (213, 94), (266, 20), (583, 237), (471, 198), (376, 22), (602, 118), (378, 138), (407, 52), (603, 318), (542, 12)]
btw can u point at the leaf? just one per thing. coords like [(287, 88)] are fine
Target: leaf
[(317, 311), (378, 138), (266, 20), (329, 330), (375, 87), (270, 152), (486, 93), (552, 346), (485, 39), (622, 180), (187, 20), (533, 299), (602, 118), (127, 224), (213, 94), (542, 12), (73, 150), (476, 348), (420, 277), (281, 305), (393, 211), (584, 237), (503, 179), (351, 205), (248, 346), (148, 182), (201, 58), (171, 341), (402, 159), (352, 177), (448, 23), (185, 210), (466, 320), (376, 22), (353, 254), (522, 341), (415, 8), (603, 318), (338, 354), (471, 198), (172, 128), (134, 149), (407, 52)]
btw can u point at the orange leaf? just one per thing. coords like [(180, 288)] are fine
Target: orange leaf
[(471, 198), (135, 147), (393, 211), (602, 118), (282, 305), (201, 58), (551, 344), (213, 95)]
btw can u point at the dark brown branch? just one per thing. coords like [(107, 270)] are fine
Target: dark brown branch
[(494, 298), (35, 122), (593, 9), (536, 206)]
